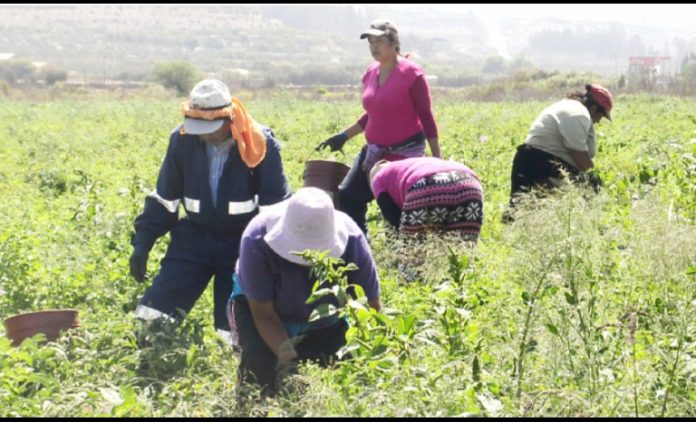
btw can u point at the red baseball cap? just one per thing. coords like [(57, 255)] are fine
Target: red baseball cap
[(602, 97)]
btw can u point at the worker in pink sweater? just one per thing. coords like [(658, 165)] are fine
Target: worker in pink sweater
[(397, 121), (424, 194)]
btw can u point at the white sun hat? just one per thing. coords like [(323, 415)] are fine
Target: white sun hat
[(307, 220), (208, 94)]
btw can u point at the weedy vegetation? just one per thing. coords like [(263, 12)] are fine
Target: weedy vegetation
[(584, 306)]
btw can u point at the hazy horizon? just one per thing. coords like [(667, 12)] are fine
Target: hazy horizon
[(638, 13), (296, 42)]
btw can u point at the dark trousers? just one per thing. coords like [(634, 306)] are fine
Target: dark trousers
[(194, 257), (354, 192), (533, 168), (258, 362)]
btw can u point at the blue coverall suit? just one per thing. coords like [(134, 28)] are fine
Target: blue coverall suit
[(205, 243)]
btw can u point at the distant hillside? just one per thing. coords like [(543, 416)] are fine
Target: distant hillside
[(304, 44)]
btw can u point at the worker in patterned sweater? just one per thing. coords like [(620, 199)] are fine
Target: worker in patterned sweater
[(423, 194)]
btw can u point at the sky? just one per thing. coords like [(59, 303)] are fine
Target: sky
[(669, 14)]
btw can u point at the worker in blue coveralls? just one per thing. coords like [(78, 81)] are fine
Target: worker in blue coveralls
[(221, 165)]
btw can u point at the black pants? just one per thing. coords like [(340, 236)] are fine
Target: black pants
[(354, 193), (533, 168), (258, 362)]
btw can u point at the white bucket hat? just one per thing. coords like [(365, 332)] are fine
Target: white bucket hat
[(307, 220), (208, 94)]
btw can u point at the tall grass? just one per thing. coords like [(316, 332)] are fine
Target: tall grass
[(584, 306)]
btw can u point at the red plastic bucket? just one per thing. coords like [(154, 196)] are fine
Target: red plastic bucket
[(50, 322)]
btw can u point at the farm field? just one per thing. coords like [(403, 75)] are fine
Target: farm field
[(584, 306)]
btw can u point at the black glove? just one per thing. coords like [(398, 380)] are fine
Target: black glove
[(335, 142), (138, 263), (593, 180)]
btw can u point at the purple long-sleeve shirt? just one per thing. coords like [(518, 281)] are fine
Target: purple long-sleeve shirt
[(399, 108), (265, 276)]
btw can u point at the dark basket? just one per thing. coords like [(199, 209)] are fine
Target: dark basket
[(325, 175)]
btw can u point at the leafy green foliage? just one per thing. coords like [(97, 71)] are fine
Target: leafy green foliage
[(177, 75), (584, 306)]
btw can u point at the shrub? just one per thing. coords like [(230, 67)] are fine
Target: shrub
[(53, 74), (177, 75)]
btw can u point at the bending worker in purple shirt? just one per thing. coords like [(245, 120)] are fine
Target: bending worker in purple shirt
[(397, 120), (267, 308)]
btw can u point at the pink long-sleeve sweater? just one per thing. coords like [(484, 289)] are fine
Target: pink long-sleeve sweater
[(399, 108)]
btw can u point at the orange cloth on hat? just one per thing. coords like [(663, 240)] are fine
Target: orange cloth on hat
[(252, 147), (251, 142)]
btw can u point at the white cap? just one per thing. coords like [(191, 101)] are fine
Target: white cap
[(208, 94)]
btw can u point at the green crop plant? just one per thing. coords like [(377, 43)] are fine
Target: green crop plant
[(584, 306)]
